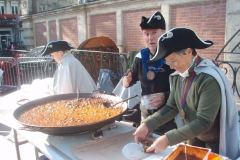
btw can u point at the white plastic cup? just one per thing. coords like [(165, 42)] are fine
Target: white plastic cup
[(145, 102)]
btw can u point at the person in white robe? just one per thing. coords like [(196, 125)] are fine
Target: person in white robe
[(70, 76)]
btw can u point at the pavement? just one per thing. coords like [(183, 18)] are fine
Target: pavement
[(7, 146)]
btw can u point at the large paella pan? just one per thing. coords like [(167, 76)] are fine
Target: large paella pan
[(68, 129)]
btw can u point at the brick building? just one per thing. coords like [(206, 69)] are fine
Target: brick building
[(216, 20)]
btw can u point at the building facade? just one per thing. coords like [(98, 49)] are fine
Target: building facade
[(10, 24), (77, 20)]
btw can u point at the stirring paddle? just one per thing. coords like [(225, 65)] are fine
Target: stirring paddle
[(107, 104)]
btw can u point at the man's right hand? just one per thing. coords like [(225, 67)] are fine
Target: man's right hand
[(127, 79)]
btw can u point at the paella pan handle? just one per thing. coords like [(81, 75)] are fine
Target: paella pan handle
[(29, 129), (22, 101), (101, 91)]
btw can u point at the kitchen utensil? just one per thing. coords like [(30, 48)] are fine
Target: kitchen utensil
[(67, 130), (107, 104), (132, 151)]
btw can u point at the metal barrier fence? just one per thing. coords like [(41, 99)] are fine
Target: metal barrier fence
[(12, 53), (23, 70), (30, 68), (9, 78), (231, 65), (93, 61), (8, 65)]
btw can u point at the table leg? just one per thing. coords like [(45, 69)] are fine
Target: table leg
[(16, 144), (36, 152)]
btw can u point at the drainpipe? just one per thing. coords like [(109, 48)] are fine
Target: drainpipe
[(86, 22)]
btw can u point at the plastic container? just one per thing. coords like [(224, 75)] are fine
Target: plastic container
[(132, 151), (199, 152), (145, 102)]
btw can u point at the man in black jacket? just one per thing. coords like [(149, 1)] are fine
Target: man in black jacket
[(155, 78)]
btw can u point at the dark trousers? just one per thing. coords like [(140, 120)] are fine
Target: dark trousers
[(43, 157), (213, 145), (162, 129)]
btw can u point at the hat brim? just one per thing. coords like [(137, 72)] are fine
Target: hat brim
[(175, 40), (46, 51), (148, 26)]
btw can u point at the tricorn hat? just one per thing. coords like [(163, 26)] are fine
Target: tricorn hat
[(156, 21), (55, 46), (175, 40)]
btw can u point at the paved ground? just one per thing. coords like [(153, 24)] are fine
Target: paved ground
[(8, 152), (7, 147)]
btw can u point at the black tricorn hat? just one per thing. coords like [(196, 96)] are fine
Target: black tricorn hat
[(175, 40), (55, 46), (156, 21)]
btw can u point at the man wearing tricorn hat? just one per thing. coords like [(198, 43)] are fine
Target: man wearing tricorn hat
[(154, 79), (70, 74), (200, 93)]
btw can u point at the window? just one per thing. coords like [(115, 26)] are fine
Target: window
[(14, 10), (63, 3), (1, 7), (42, 5), (14, 6), (52, 4)]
